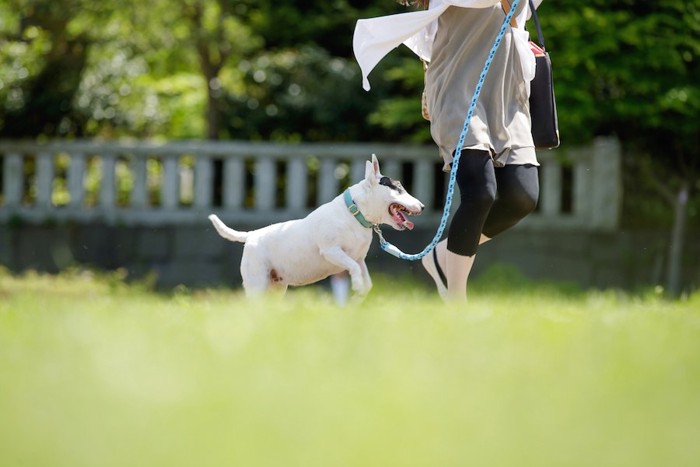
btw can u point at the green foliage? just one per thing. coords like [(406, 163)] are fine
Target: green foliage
[(628, 69), (284, 70), (295, 23), (620, 68), (50, 41), (300, 94), (401, 116), (98, 372)]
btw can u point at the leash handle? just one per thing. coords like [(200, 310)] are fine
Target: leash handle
[(393, 250)]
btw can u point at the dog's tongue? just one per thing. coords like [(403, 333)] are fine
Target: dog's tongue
[(401, 219)]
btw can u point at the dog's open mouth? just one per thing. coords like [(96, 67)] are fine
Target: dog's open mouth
[(398, 214)]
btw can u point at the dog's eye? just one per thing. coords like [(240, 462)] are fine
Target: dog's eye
[(386, 181)]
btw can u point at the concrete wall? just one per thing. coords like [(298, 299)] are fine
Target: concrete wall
[(194, 255)]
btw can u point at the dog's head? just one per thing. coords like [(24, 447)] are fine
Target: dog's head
[(388, 200)]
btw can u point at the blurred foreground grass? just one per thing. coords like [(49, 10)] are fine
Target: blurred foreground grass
[(95, 372)]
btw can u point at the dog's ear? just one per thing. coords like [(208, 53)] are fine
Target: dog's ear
[(372, 173), (375, 165)]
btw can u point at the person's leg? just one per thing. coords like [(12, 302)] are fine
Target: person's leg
[(340, 286), (435, 263), (455, 256), (518, 192)]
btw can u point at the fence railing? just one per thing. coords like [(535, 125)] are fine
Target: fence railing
[(258, 183)]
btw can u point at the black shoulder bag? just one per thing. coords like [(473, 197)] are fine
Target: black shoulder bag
[(543, 106)]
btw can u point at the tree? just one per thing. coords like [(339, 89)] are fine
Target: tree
[(299, 23), (302, 95), (47, 43), (216, 35)]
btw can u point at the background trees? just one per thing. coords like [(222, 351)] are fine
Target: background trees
[(283, 70)]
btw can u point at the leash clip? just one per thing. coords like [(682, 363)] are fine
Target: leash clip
[(386, 246)]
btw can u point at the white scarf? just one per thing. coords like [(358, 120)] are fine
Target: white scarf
[(376, 37)]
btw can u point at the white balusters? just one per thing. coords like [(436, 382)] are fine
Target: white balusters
[(44, 180), (327, 183), (203, 182), (424, 181), (391, 168), (550, 191), (170, 186), (583, 190), (108, 181), (76, 180), (296, 184), (234, 183), (139, 192), (607, 195), (265, 183), (357, 170), (13, 179), (186, 172)]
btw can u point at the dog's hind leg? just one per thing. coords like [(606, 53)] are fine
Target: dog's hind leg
[(358, 278), (276, 283), (255, 274)]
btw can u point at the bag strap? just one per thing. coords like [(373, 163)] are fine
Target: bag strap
[(505, 4), (540, 37)]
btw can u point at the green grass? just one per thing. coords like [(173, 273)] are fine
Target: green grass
[(98, 373)]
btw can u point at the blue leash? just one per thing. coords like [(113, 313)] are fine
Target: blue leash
[(392, 249)]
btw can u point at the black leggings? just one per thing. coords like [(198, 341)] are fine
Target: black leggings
[(492, 199)]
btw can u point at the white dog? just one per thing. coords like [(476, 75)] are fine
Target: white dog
[(333, 238)]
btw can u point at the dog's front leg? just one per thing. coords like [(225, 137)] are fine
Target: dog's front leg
[(337, 256), (365, 275)]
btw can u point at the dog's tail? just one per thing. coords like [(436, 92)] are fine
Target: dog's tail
[(227, 232)]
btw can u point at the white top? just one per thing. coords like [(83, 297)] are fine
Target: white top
[(457, 43), (376, 37)]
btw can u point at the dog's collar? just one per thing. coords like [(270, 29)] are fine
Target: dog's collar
[(355, 211)]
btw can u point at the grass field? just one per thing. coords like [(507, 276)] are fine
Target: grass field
[(98, 373)]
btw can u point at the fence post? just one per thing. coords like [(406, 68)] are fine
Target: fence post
[(44, 179), (234, 183), (203, 178), (583, 201), (424, 182), (13, 179), (327, 183), (108, 185), (296, 184), (139, 193), (607, 193), (76, 180), (357, 170), (391, 168), (265, 183), (551, 188), (170, 189)]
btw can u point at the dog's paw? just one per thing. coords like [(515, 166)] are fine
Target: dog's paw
[(361, 286)]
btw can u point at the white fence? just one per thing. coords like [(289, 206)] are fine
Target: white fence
[(182, 182)]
